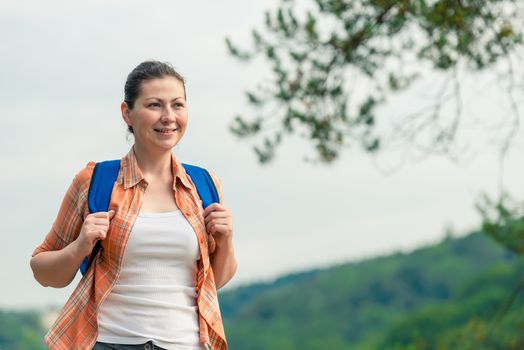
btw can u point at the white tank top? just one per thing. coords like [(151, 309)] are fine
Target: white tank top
[(154, 297)]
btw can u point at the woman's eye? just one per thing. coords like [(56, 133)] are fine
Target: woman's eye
[(179, 105), (154, 105)]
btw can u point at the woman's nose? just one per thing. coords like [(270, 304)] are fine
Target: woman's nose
[(168, 115)]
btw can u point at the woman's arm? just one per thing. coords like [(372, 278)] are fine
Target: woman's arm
[(57, 268), (219, 223), (55, 262)]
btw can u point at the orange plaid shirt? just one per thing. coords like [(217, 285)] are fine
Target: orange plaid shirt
[(76, 327)]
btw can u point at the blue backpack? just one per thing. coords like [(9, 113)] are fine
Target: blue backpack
[(103, 180)]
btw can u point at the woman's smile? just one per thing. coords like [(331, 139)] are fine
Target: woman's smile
[(166, 131)]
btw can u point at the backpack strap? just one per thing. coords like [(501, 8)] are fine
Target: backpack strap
[(103, 180), (204, 184), (101, 186), (99, 197)]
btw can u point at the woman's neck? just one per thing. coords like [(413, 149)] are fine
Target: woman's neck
[(153, 165)]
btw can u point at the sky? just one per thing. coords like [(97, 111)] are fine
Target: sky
[(63, 66)]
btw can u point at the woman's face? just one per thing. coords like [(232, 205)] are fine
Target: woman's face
[(159, 115)]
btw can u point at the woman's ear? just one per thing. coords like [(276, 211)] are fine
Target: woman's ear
[(124, 109)]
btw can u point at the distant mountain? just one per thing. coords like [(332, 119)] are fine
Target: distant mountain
[(419, 300)]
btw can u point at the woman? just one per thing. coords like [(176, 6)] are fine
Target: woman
[(153, 285)]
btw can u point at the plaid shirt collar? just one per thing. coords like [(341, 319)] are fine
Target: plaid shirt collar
[(131, 174)]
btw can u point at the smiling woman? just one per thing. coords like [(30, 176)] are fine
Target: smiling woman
[(154, 282)]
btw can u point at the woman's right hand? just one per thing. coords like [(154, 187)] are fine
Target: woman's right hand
[(94, 228)]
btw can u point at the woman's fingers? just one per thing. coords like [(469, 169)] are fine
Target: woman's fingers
[(98, 222), (96, 225), (101, 214), (219, 214), (221, 226), (220, 229), (214, 207), (100, 218), (218, 220), (101, 234), (94, 228), (105, 215)]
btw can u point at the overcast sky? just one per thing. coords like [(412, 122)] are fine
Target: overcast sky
[(63, 67)]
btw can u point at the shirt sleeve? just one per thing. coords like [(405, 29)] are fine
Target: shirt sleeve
[(218, 186), (73, 209)]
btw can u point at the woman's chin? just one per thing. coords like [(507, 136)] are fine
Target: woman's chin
[(167, 145)]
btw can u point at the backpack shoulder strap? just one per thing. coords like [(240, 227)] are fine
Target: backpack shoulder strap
[(99, 196), (101, 186), (204, 184)]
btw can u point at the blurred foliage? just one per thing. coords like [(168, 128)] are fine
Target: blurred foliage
[(503, 220), (334, 64), (446, 296), (21, 331)]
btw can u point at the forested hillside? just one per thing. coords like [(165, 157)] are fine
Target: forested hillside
[(21, 331), (446, 296)]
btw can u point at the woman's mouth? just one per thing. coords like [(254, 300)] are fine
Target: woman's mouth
[(166, 131)]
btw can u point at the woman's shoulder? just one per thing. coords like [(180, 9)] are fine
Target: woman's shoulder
[(83, 177)]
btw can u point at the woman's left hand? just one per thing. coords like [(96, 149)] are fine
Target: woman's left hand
[(219, 226), (219, 222)]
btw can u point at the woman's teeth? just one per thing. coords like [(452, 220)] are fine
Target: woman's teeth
[(165, 131)]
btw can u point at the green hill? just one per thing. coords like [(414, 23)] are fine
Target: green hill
[(432, 298)]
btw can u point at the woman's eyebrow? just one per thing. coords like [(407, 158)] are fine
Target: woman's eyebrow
[(158, 98)]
